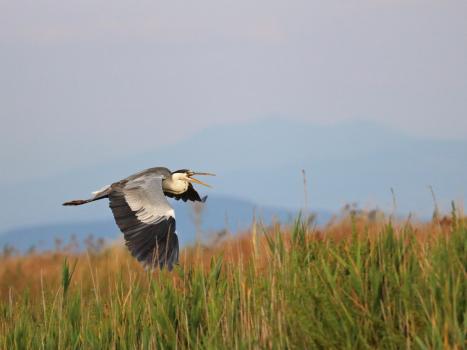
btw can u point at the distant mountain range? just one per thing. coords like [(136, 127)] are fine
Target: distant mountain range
[(261, 163), (219, 215)]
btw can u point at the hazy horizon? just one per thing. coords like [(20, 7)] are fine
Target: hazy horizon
[(260, 162), (97, 81)]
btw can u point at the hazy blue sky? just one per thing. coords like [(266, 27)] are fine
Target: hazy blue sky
[(85, 80)]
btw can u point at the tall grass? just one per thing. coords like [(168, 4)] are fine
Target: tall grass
[(352, 285)]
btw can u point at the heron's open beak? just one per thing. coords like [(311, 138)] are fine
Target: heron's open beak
[(192, 179)]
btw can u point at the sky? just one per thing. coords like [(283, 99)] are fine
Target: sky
[(87, 81)]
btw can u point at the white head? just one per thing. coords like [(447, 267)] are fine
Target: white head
[(180, 180)]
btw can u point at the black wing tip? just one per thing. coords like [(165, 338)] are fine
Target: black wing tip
[(155, 246), (203, 199)]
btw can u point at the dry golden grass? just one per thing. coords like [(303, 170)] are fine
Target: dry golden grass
[(33, 272), (356, 283)]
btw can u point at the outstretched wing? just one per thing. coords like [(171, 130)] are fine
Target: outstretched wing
[(189, 195), (146, 219)]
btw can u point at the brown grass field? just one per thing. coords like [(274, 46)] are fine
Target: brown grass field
[(355, 283)]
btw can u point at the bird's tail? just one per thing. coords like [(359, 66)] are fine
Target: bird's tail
[(78, 202), (102, 193)]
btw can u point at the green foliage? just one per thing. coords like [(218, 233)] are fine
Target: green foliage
[(67, 275), (389, 291)]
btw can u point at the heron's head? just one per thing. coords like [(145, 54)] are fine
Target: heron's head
[(187, 176)]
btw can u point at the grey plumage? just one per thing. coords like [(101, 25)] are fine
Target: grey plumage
[(144, 215)]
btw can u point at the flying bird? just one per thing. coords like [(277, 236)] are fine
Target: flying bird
[(143, 213)]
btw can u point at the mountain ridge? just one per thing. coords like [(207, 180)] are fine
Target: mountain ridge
[(218, 214), (262, 162)]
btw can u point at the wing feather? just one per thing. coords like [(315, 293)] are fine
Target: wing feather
[(146, 219)]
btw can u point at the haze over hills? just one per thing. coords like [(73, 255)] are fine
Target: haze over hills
[(218, 216), (261, 162)]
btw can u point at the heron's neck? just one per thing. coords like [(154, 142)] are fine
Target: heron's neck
[(175, 185)]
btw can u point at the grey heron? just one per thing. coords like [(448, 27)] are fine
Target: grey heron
[(143, 213)]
